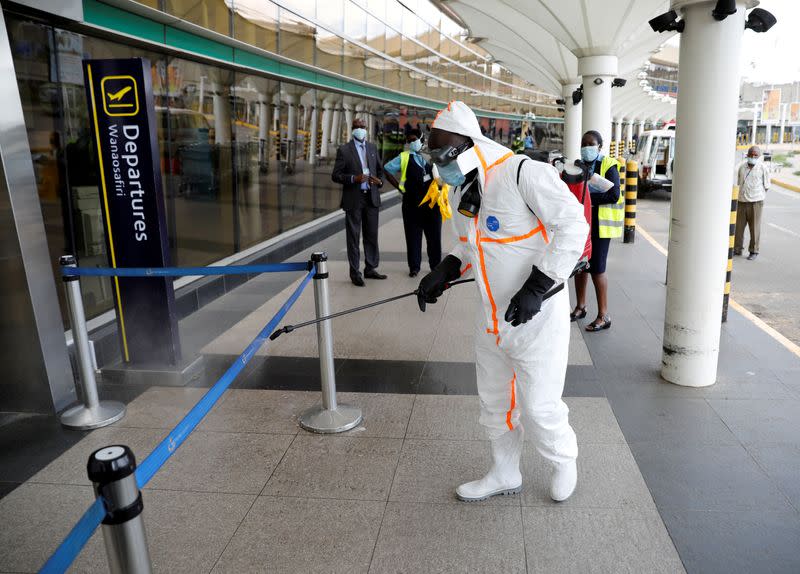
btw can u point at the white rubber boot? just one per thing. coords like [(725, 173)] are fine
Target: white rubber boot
[(504, 477), (564, 480)]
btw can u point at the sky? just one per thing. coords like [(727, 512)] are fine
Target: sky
[(772, 57)]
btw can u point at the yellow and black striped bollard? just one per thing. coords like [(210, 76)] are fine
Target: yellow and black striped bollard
[(612, 149), (731, 239), (631, 183)]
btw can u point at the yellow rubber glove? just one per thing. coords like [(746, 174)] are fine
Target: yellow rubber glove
[(438, 196)]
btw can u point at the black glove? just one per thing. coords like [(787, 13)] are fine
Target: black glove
[(432, 285), (528, 300)]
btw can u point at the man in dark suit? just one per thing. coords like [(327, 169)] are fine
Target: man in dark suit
[(359, 170)]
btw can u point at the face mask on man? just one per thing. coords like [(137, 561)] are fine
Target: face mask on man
[(451, 174), (589, 153), (360, 134), (415, 146), (752, 161)]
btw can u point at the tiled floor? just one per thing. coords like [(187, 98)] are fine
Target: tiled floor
[(251, 492)]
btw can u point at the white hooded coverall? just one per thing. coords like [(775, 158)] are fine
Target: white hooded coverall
[(537, 222)]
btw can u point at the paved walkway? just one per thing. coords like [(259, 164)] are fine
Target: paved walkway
[(705, 479)]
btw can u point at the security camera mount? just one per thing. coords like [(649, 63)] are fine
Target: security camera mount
[(577, 95), (759, 20), (723, 9), (667, 22)]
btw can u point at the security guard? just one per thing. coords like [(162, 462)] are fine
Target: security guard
[(607, 222), (415, 178)]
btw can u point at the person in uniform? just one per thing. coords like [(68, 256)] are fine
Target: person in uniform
[(414, 174)]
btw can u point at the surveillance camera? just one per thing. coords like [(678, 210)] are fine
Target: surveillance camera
[(560, 102), (560, 109), (577, 96), (667, 22), (759, 20), (619, 83), (723, 9)]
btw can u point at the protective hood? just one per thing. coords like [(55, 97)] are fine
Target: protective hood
[(458, 118)]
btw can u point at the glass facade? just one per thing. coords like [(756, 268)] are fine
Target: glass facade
[(244, 156), (407, 46)]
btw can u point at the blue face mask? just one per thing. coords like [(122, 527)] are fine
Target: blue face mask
[(415, 146), (451, 174), (360, 134), (589, 153)]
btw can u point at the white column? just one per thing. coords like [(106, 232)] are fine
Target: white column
[(704, 159), (306, 116), (312, 146), (572, 123), (618, 133), (264, 120), (348, 118), (291, 128), (222, 115), (641, 129), (336, 128), (768, 135), (755, 125), (629, 133), (327, 120), (598, 73)]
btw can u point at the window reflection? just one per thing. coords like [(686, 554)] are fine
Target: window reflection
[(296, 37), (210, 14), (256, 22)]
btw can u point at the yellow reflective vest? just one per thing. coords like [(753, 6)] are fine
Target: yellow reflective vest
[(610, 217), (404, 157)]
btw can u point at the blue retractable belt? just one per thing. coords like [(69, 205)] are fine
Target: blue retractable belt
[(70, 547), (181, 271)]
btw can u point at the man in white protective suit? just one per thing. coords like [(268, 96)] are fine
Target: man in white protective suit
[(521, 232)]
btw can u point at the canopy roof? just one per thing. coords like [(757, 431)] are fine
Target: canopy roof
[(542, 40)]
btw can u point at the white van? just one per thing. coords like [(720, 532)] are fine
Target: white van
[(655, 151)]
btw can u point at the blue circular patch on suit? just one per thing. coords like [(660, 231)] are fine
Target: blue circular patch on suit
[(492, 223)]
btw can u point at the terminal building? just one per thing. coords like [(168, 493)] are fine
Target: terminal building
[(271, 440), (252, 100)]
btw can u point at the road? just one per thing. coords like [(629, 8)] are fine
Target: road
[(769, 287)]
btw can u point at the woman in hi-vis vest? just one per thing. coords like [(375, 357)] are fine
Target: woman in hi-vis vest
[(607, 221)]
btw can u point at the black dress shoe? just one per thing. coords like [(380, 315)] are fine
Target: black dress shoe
[(413, 273), (372, 274), (752, 256), (357, 280)]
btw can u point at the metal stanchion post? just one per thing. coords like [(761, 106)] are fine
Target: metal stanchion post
[(731, 240), (631, 182), (93, 413), (330, 417), (111, 469)]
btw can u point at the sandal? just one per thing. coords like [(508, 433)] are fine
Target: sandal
[(599, 324), (578, 313)]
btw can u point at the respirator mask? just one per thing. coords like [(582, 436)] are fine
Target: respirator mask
[(445, 160)]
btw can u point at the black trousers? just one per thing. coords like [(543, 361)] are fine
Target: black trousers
[(365, 218), (419, 220)]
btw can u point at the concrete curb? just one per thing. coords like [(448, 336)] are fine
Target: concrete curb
[(788, 186)]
